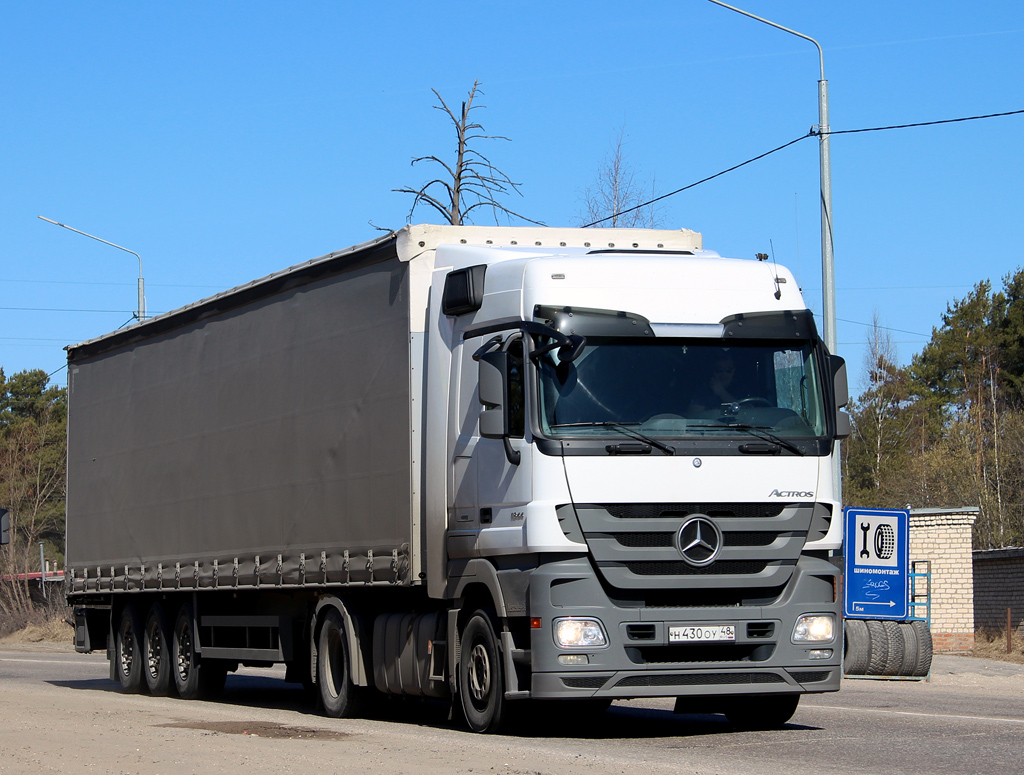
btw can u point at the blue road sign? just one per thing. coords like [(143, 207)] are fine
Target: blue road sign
[(876, 551)]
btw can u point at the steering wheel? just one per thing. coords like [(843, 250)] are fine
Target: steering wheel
[(735, 407), (752, 401)]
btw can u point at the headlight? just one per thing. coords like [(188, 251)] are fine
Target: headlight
[(579, 633), (814, 628)]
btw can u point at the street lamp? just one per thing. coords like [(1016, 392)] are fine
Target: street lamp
[(828, 281), (141, 314), (828, 278)]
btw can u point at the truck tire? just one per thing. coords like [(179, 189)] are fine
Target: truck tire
[(481, 677), (194, 678), (878, 647), (761, 711), (910, 649), (340, 697), (924, 648), (858, 647), (128, 656), (894, 638), (156, 650)]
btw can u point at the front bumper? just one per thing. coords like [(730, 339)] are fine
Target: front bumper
[(640, 661)]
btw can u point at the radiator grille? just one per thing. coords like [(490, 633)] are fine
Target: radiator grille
[(680, 510), (720, 568), (634, 546)]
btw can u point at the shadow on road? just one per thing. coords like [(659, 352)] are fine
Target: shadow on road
[(552, 721)]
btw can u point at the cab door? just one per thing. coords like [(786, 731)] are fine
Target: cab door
[(490, 490)]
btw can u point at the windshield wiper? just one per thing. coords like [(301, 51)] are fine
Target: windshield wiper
[(764, 433), (624, 428), (755, 430)]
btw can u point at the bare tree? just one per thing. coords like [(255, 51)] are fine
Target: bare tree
[(618, 195), (472, 181)]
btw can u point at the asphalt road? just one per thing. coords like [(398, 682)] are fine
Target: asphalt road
[(60, 713)]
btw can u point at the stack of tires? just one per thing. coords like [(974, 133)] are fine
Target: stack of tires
[(887, 648)]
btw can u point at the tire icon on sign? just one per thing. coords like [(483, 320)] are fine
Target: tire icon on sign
[(885, 542)]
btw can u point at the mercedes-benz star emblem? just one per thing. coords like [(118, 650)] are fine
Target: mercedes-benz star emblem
[(699, 540)]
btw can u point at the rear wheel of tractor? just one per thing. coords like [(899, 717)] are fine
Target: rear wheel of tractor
[(858, 647), (481, 677), (156, 648), (766, 711), (924, 647), (340, 697), (878, 647), (128, 651)]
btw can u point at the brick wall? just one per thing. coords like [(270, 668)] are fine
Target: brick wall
[(943, 536), (998, 585)]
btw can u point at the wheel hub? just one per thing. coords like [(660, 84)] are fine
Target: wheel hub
[(479, 672)]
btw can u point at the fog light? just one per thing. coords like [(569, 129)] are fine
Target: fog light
[(573, 659), (814, 628), (579, 633), (819, 654)]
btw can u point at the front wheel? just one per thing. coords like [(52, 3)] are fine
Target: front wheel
[(481, 678)]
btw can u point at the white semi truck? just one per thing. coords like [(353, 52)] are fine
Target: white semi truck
[(495, 465)]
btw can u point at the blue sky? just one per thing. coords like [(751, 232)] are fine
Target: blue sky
[(223, 141)]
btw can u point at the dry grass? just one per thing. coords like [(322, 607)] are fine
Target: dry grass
[(52, 631), (38, 625), (991, 644)]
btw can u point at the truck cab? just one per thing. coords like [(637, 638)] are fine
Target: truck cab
[(638, 448)]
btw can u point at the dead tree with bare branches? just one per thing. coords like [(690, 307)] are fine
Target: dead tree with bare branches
[(472, 181)]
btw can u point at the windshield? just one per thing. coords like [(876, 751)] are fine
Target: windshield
[(683, 388)]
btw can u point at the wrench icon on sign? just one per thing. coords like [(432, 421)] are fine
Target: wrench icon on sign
[(865, 527)]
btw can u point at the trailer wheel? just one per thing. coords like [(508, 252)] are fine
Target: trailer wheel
[(194, 679), (340, 697), (128, 653), (156, 648), (481, 678), (765, 711)]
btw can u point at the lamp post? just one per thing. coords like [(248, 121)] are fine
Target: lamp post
[(828, 279), (828, 284), (141, 314)]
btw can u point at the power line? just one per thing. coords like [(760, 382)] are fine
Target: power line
[(877, 325), (115, 285), (812, 133), (705, 180), (885, 328), (920, 123), (48, 309)]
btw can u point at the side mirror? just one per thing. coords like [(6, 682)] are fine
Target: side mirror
[(841, 390), (5, 527), (493, 391), (840, 386), (493, 394)]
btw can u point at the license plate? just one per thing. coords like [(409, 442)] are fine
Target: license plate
[(702, 633)]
